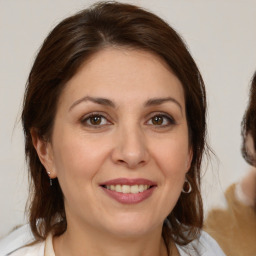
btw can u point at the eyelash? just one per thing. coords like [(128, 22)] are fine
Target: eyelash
[(88, 118), (167, 119)]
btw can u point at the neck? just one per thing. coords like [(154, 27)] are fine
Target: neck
[(78, 242)]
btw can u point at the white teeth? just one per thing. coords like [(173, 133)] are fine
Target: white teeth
[(135, 189), (118, 188), (126, 189), (141, 188)]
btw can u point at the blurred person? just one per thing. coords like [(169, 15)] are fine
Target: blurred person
[(235, 227)]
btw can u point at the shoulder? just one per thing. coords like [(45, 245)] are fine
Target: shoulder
[(32, 250), (235, 226), (205, 245), (16, 241), (208, 246), (221, 221)]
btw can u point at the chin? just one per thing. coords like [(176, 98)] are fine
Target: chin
[(133, 226), (131, 232)]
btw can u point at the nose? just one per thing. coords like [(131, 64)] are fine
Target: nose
[(130, 148)]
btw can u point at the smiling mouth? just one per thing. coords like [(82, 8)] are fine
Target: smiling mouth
[(127, 189)]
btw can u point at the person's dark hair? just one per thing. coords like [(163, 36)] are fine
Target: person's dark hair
[(66, 48), (249, 127), (249, 124)]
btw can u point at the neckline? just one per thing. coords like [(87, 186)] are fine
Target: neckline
[(48, 250)]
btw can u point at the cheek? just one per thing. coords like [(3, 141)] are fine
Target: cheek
[(173, 157), (78, 158), (76, 163)]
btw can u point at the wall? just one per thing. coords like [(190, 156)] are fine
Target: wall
[(221, 37)]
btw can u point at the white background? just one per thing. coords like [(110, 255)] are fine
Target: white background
[(221, 36)]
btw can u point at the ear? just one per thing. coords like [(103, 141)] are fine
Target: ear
[(44, 152), (249, 144), (189, 159)]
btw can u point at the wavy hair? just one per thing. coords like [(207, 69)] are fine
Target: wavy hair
[(249, 128), (249, 124)]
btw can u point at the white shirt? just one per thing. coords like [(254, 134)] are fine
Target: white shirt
[(13, 245)]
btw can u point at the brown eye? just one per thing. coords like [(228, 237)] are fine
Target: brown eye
[(95, 120), (157, 120), (161, 120)]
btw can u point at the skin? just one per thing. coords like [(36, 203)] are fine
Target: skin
[(126, 143), (248, 185), (248, 182)]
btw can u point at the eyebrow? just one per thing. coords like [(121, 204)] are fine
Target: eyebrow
[(107, 102), (159, 101), (101, 101)]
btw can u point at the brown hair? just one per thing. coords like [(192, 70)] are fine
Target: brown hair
[(249, 123), (249, 127), (69, 44)]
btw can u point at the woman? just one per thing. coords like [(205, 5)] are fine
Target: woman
[(114, 123), (235, 227)]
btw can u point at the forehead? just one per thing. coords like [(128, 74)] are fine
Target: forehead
[(126, 72)]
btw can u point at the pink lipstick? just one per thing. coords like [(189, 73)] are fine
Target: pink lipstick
[(129, 191)]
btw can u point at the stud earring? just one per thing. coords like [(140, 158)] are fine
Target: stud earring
[(49, 173), (187, 188)]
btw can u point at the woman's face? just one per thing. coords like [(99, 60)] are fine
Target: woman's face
[(120, 146)]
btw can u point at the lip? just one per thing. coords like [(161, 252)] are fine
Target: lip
[(129, 198), (130, 182)]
